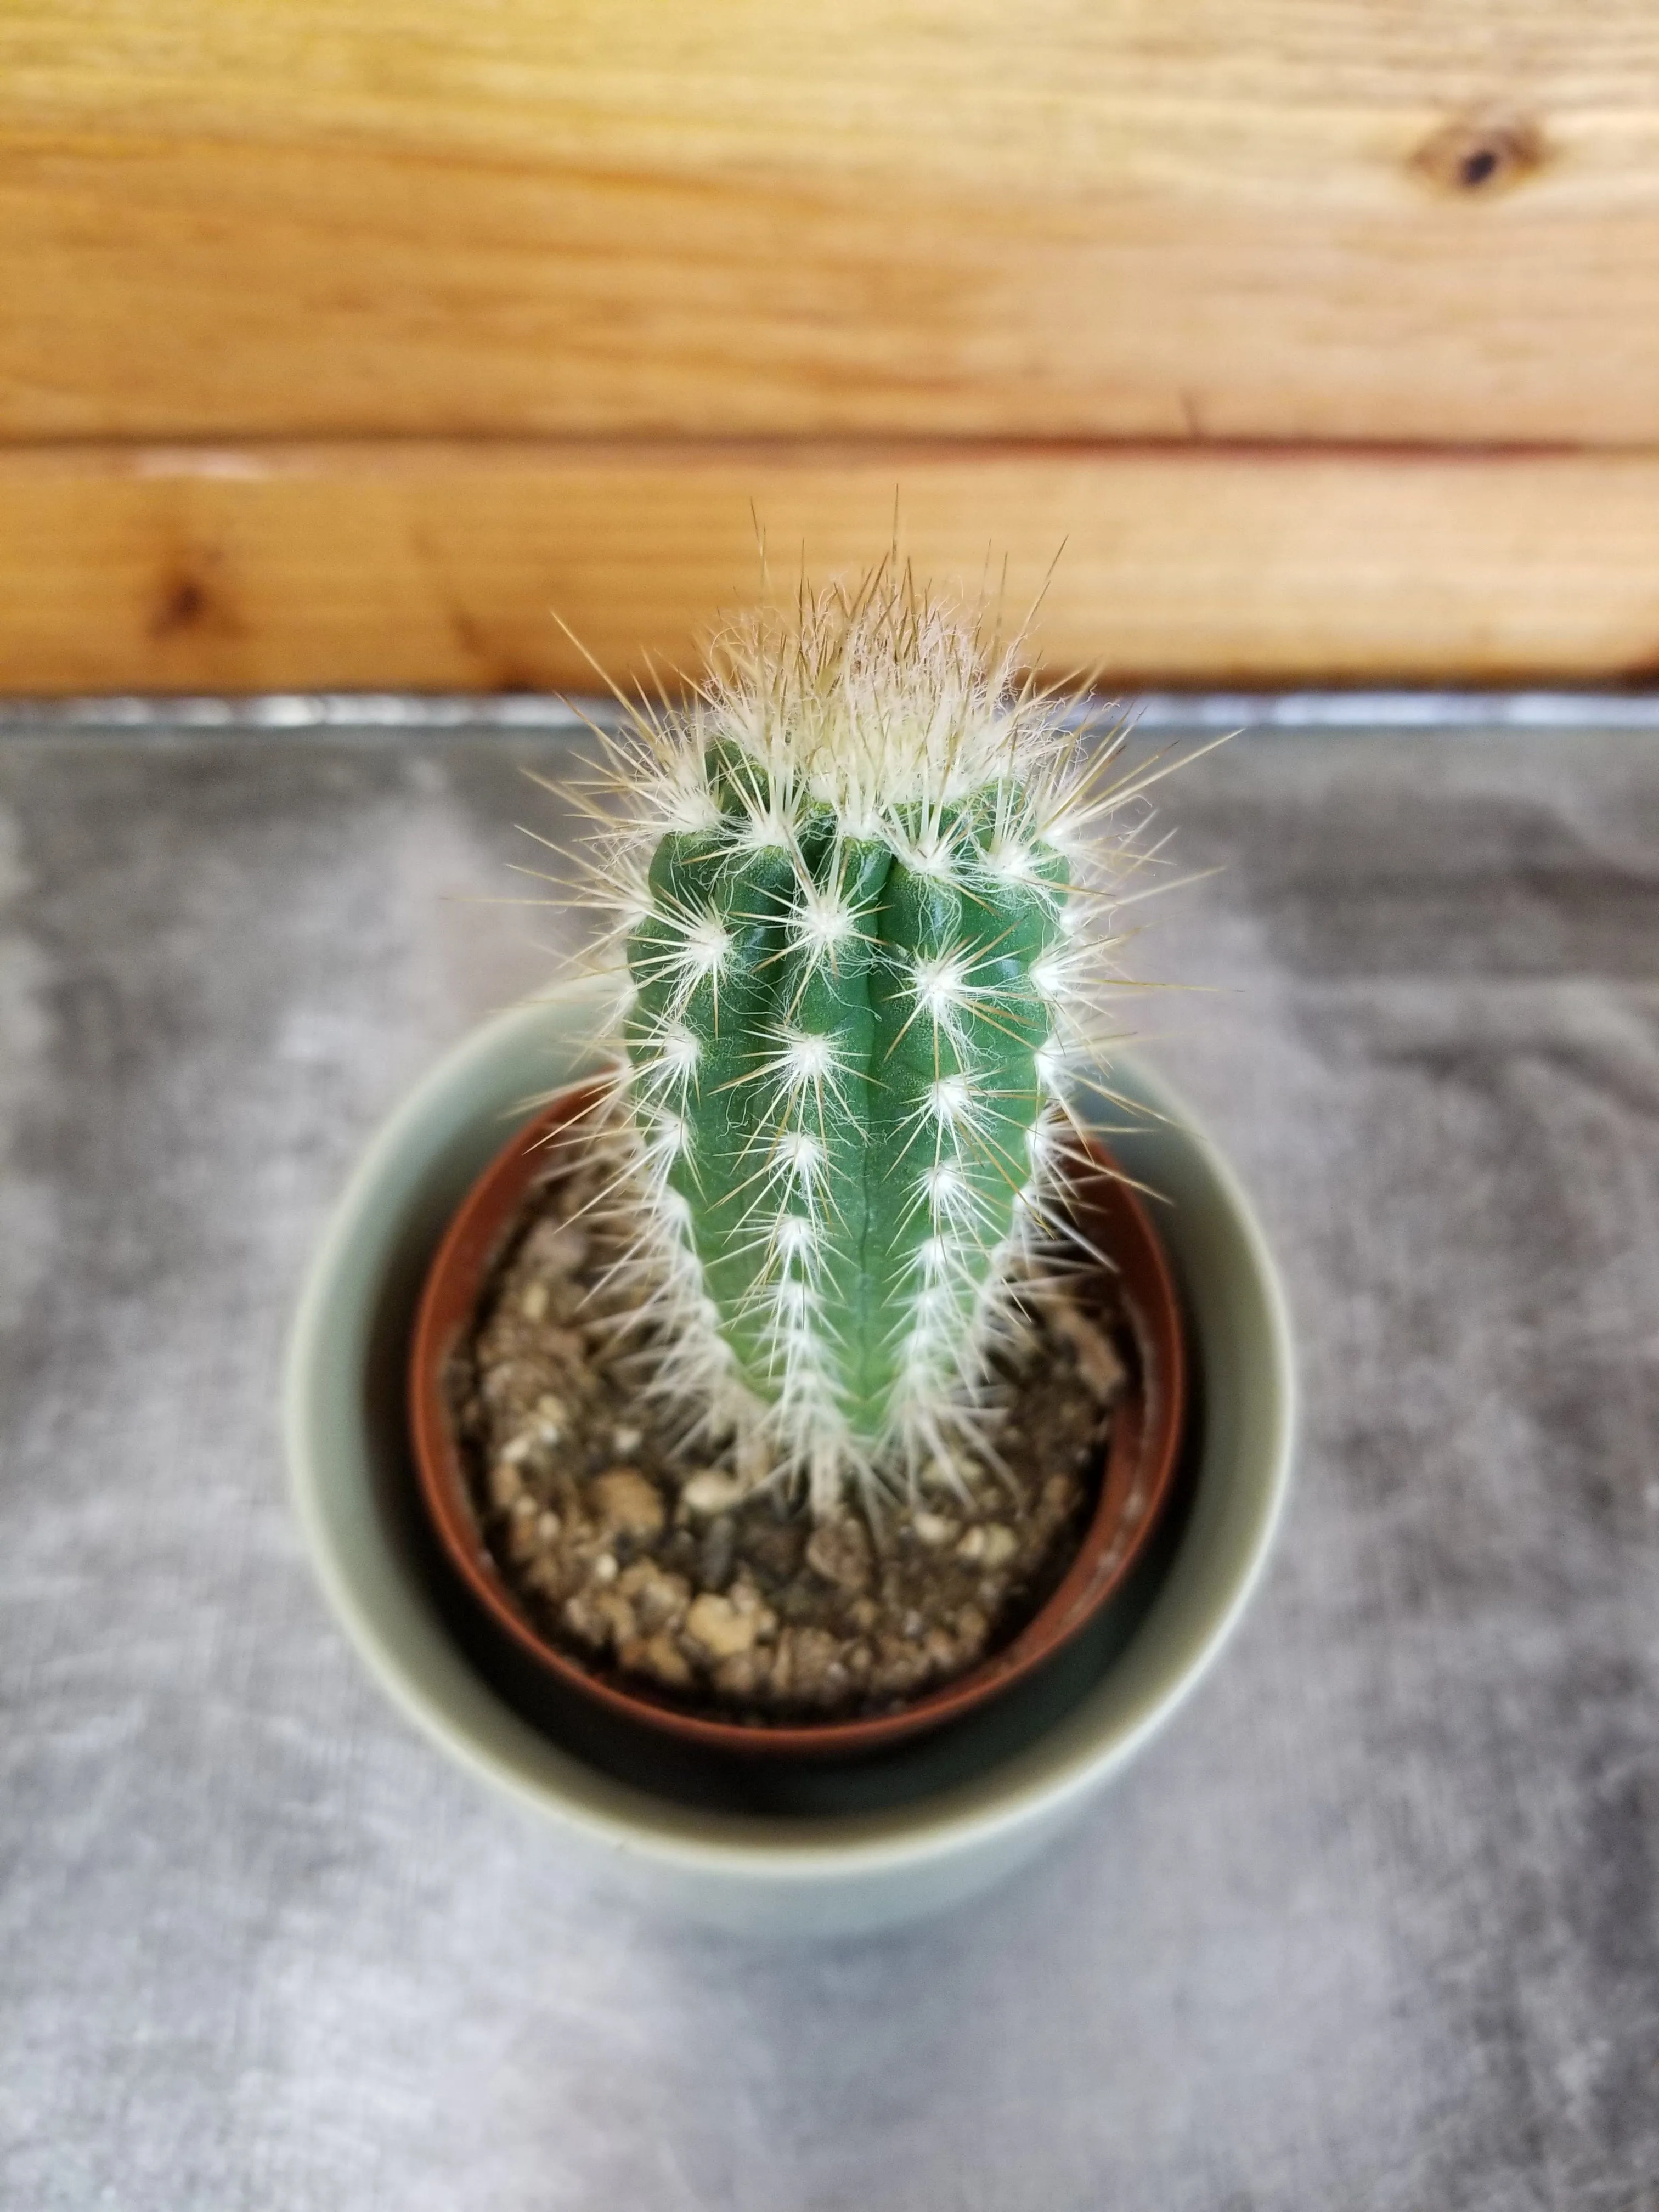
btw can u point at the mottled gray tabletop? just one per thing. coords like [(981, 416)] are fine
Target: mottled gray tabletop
[(1374, 1925)]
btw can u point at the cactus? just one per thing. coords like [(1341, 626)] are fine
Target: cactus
[(854, 920)]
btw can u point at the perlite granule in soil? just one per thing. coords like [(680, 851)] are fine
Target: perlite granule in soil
[(684, 1569)]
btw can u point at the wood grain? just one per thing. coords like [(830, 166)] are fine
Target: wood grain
[(1425, 219), (439, 566)]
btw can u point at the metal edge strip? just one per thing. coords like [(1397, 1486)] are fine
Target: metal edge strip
[(277, 712)]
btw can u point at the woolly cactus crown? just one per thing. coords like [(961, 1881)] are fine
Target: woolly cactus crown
[(863, 933)]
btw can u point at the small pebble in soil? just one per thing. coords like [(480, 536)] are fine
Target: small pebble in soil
[(698, 1578)]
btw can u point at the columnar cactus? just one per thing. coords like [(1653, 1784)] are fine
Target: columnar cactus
[(855, 919)]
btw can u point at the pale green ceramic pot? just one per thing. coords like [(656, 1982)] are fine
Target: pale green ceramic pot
[(816, 1850)]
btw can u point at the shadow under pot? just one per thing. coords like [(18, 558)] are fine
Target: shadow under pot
[(519, 1633)]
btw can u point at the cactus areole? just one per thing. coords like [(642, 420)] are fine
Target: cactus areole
[(860, 924)]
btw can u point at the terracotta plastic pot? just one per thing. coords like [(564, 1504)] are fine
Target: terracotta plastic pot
[(1136, 1487)]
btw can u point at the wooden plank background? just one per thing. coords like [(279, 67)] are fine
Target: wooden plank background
[(336, 343)]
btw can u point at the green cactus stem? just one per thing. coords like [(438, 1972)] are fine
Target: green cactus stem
[(853, 950)]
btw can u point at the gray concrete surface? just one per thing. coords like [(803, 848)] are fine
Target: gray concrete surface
[(1375, 1925)]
